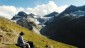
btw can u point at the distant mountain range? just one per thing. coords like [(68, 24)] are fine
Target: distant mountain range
[(67, 27)]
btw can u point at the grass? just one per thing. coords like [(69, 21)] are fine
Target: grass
[(10, 31)]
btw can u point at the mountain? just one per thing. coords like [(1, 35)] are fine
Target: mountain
[(27, 20), (21, 19), (52, 14), (9, 32), (72, 9), (31, 21), (67, 28), (75, 11), (21, 14)]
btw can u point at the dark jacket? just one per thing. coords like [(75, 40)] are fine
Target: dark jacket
[(20, 41)]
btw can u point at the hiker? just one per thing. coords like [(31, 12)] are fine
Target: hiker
[(21, 42)]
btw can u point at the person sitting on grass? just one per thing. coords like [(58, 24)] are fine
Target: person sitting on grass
[(21, 42)]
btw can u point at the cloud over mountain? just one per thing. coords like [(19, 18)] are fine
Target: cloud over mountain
[(9, 11), (47, 8)]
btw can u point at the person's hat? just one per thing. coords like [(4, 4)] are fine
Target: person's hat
[(21, 33)]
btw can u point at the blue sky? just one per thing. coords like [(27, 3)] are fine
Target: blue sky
[(33, 3)]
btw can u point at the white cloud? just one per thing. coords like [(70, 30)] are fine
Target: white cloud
[(7, 11), (46, 8), (10, 11)]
